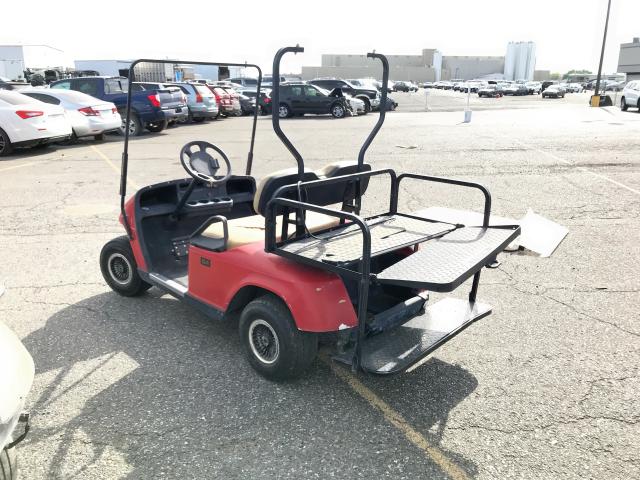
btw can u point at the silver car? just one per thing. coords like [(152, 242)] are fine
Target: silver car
[(630, 96), (88, 116), (200, 100)]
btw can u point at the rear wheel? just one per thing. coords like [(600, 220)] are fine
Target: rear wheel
[(338, 110), (119, 268), (157, 127), (198, 119), (274, 346), (623, 105), (5, 144), (135, 127)]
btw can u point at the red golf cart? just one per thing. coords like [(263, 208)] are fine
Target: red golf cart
[(295, 268)]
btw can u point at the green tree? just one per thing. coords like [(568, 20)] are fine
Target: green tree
[(554, 76), (578, 72)]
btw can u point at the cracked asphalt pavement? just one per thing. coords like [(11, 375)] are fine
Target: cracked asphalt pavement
[(545, 387)]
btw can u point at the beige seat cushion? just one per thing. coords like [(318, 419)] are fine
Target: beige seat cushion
[(251, 229)]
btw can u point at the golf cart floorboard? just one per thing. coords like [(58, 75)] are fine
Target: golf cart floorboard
[(396, 350)]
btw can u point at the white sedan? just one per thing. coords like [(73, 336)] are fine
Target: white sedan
[(89, 116), (25, 121), (357, 106)]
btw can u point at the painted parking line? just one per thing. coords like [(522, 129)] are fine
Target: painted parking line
[(582, 169), (115, 168), (13, 167), (398, 421)]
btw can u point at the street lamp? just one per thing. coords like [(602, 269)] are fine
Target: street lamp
[(595, 99)]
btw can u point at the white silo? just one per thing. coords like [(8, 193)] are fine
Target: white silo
[(510, 61)]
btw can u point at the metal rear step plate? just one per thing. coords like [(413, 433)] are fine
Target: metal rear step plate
[(442, 264), (396, 350)]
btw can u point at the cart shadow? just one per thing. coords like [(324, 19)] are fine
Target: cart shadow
[(166, 392)]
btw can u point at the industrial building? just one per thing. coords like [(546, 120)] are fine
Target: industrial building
[(150, 72), (16, 59), (432, 66), (629, 59)]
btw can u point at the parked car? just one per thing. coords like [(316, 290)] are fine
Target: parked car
[(25, 122), (223, 100), (301, 98), (369, 95), (173, 100), (246, 82), (490, 91), (574, 87), (247, 104), (236, 109), (427, 85), (356, 106), (146, 109), (201, 102), (265, 99), (88, 116), (474, 86), (516, 89), (546, 84), (16, 378), (405, 87), (630, 96), (554, 91), (533, 87)]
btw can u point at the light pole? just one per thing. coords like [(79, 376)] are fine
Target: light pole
[(595, 100)]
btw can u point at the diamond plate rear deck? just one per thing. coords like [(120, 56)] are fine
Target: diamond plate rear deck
[(442, 264), (344, 245), (397, 350)]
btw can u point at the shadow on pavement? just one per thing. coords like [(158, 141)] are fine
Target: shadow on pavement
[(156, 389)]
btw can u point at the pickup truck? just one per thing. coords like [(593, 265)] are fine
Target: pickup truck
[(370, 96), (146, 109), (172, 100)]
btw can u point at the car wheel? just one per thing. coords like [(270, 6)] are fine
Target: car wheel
[(367, 105), (198, 119), (119, 268), (135, 127), (284, 111), (5, 144), (338, 110), (157, 127), (99, 137), (274, 346), (623, 105)]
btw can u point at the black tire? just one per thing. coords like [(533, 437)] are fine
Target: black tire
[(99, 137), (367, 104), (274, 346), (8, 464), (135, 127), (338, 110), (284, 111), (623, 105), (119, 268), (157, 127), (198, 119), (5, 144)]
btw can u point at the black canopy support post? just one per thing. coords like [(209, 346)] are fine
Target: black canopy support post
[(604, 42), (255, 123), (275, 107), (376, 128), (125, 151)]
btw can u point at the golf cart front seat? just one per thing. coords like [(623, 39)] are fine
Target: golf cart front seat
[(251, 229)]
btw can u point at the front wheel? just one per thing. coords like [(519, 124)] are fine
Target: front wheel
[(623, 105), (284, 111), (135, 127), (274, 346), (338, 110), (119, 268), (157, 127)]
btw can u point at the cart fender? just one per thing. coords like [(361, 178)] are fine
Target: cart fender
[(130, 210), (317, 300)]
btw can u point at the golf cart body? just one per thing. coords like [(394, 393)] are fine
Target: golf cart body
[(293, 266)]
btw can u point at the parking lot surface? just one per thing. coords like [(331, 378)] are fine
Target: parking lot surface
[(546, 387)]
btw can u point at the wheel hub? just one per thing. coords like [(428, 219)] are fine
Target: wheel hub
[(264, 341), (120, 268)]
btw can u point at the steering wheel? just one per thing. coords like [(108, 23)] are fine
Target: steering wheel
[(203, 165)]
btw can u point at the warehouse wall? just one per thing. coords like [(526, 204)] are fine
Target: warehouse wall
[(629, 59), (416, 74), (469, 68)]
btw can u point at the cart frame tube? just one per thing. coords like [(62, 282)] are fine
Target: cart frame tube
[(125, 151)]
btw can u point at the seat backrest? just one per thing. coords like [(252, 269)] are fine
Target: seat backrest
[(320, 195)]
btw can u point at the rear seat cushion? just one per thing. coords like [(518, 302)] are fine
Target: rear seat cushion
[(270, 184), (243, 231)]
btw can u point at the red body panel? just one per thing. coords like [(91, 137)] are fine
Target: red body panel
[(129, 208), (318, 300)]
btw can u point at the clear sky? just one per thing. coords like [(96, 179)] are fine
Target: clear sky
[(568, 33)]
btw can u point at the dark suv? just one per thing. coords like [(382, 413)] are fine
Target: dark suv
[(300, 98), (370, 96)]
